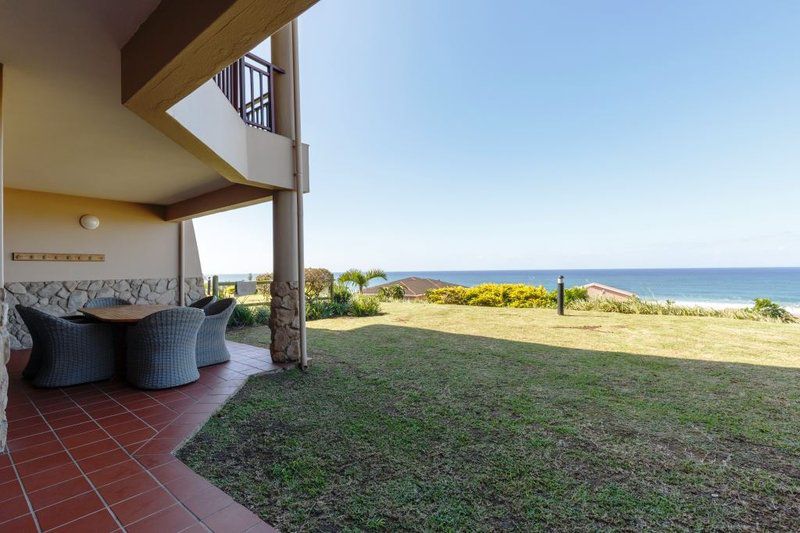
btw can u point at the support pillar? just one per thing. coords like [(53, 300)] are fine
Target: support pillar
[(285, 287), (181, 263), (5, 340)]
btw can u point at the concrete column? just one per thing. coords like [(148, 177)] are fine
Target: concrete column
[(284, 289), (5, 340), (181, 264)]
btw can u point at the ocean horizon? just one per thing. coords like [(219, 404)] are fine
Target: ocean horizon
[(710, 287)]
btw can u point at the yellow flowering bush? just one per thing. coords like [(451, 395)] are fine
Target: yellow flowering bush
[(520, 295), (503, 295), (447, 295)]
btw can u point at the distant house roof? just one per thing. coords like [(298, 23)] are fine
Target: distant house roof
[(608, 289), (413, 286)]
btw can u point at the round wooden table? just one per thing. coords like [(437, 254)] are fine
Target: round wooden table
[(123, 314)]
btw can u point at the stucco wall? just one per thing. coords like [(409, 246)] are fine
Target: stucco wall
[(137, 243)]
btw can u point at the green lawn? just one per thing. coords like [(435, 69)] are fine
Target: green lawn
[(461, 418)]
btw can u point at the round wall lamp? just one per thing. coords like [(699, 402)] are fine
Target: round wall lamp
[(90, 222)]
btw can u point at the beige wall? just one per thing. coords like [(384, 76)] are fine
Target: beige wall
[(136, 241), (256, 157)]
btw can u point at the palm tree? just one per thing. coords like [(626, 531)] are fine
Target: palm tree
[(361, 279)]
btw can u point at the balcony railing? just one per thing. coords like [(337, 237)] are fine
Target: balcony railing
[(248, 85)]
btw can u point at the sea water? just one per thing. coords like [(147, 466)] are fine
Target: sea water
[(710, 287)]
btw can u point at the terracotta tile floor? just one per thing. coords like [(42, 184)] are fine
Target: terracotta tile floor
[(98, 457)]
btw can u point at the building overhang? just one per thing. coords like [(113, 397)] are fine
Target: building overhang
[(68, 68)]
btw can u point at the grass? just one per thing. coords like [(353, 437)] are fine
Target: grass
[(436, 417)]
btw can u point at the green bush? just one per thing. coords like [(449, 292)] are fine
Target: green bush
[(343, 303), (317, 309), (766, 310), (769, 309), (341, 294), (241, 316), (503, 295), (261, 315), (365, 306), (392, 292)]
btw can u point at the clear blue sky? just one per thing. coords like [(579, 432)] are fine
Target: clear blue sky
[(472, 135)]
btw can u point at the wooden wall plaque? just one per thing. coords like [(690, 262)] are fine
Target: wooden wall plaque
[(77, 258)]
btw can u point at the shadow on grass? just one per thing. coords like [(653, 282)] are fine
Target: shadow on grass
[(406, 428)]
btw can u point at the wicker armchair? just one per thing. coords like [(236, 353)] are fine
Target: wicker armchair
[(202, 303), (211, 348), (35, 358), (67, 353), (161, 349), (112, 301)]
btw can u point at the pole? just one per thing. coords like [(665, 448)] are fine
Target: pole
[(298, 185), (181, 263), (215, 286), (560, 298)]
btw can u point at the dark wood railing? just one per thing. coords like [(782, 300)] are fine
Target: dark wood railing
[(248, 85)]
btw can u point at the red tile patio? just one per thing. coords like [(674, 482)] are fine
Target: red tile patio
[(98, 457)]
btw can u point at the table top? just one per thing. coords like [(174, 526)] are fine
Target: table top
[(123, 314)]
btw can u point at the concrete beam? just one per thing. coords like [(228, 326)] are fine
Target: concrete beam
[(231, 197), (183, 43), (181, 46)]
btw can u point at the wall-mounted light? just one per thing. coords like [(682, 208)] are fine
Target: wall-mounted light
[(90, 222)]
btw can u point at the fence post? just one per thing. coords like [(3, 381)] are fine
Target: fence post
[(215, 286)]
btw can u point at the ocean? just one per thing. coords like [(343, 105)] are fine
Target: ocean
[(711, 287)]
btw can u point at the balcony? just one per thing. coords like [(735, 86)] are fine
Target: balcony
[(248, 85)]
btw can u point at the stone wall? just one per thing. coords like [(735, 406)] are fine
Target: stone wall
[(284, 321), (61, 298), (5, 354)]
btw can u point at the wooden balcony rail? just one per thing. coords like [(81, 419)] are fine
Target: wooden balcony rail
[(247, 84)]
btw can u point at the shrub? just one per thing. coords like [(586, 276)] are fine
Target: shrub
[(318, 280), (227, 291), (765, 311), (341, 294), (261, 315), (365, 306), (503, 295), (263, 288), (487, 294), (528, 296), (574, 294), (769, 309), (392, 292), (317, 309), (241, 316), (447, 295)]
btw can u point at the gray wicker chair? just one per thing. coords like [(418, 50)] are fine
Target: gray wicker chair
[(67, 353), (161, 349), (35, 358), (112, 301), (211, 348), (202, 303)]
